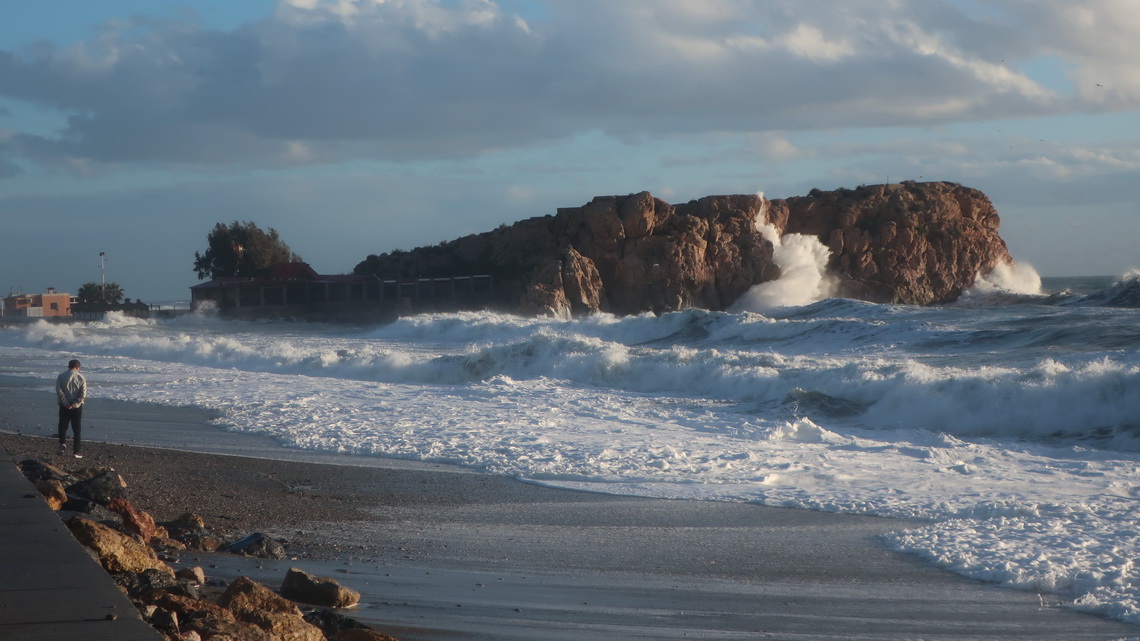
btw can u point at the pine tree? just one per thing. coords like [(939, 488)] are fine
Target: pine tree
[(241, 249)]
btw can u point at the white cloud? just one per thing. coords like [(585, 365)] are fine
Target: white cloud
[(774, 147), (996, 75), (807, 41), (1102, 38), (412, 79)]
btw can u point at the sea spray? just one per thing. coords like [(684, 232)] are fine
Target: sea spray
[(1016, 278), (803, 274), (1012, 427)]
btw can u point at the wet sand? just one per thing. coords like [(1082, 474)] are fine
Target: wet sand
[(445, 553)]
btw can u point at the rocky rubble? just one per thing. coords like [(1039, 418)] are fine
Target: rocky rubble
[(912, 243), (184, 604)]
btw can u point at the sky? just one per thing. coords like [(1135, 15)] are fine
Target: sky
[(356, 127)]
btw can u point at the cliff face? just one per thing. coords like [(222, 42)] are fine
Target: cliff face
[(910, 243)]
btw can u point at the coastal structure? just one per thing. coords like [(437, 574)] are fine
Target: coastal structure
[(96, 310), (63, 307), (50, 304), (289, 290)]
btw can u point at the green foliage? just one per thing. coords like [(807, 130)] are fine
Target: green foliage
[(110, 293), (241, 249)]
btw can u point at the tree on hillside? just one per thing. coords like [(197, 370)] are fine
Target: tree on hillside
[(241, 249), (110, 293)]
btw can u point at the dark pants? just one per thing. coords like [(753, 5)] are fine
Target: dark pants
[(73, 417)]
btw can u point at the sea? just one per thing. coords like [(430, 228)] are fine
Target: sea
[(1008, 421)]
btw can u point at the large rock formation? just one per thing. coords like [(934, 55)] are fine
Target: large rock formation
[(913, 243), (910, 243)]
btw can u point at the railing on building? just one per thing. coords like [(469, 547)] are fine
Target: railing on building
[(351, 297), (96, 311)]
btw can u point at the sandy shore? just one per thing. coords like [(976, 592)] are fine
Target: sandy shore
[(444, 553)]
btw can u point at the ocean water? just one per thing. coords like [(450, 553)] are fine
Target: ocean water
[(1010, 419)]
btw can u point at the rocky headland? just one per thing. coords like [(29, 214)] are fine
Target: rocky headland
[(910, 243)]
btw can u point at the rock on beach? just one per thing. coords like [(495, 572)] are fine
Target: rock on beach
[(184, 605)]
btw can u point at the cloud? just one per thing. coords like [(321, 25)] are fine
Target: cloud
[(9, 168), (329, 81), (1100, 39)]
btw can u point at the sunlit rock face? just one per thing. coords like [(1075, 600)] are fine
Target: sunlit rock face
[(914, 243)]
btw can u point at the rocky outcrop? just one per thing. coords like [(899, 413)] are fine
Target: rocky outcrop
[(624, 254), (915, 243)]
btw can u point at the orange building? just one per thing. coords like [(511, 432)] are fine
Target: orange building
[(38, 305)]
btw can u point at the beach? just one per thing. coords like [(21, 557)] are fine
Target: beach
[(442, 552)]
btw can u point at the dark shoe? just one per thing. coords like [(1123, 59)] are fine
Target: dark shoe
[(62, 450)]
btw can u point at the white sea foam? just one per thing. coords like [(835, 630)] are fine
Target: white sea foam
[(803, 273), (1006, 283), (1019, 278), (1014, 428)]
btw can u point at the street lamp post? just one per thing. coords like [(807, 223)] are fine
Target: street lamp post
[(102, 277)]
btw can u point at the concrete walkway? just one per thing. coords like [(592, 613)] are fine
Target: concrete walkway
[(50, 587)]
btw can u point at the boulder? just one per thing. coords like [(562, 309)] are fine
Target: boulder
[(53, 492), (189, 608), (333, 623), (213, 629), (256, 544), (136, 520), (254, 603), (117, 552), (148, 585), (39, 470), (165, 621), (210, 621), (306, 588), (103, 486), (144, 584), (187, 522), (195, 574), (95, 510), (204, 541), (189, 530)]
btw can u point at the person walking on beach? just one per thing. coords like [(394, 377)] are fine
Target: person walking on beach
[(71, 391)]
